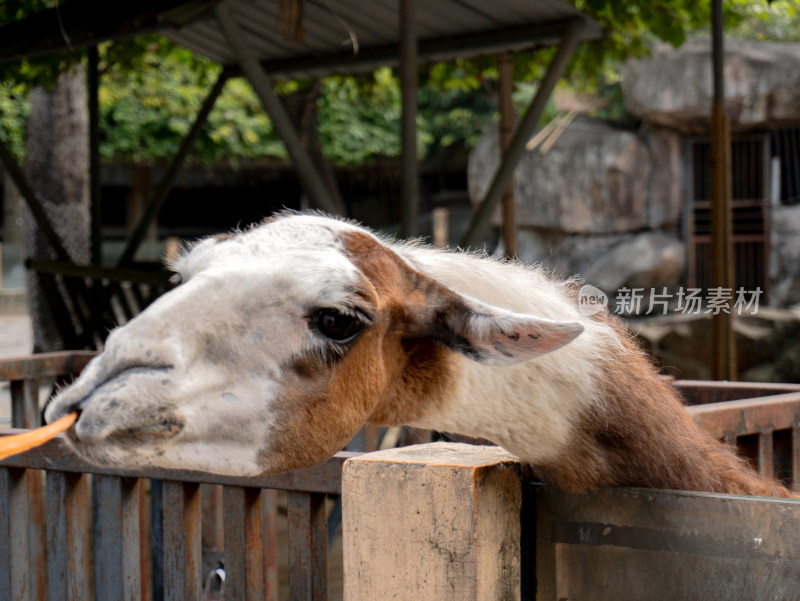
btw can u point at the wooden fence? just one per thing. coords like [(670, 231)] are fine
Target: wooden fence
[(89, 301), (455, 522), (74, 531), (443, 521)]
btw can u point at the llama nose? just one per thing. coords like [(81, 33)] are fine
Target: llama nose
[(77, 407)]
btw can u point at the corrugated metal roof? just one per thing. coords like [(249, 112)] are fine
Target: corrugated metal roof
[(446, 29)]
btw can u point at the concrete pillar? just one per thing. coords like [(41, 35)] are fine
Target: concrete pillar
[(434, 521)]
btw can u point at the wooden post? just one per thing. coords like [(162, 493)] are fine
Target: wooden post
[(434, 521), (310, 178), (505, 85), (528, 123), (408, 119), (165, 185), (722, 260)]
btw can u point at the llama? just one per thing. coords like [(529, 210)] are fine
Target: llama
[(282, 341)]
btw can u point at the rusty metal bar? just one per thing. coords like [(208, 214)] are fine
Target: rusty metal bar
[(308, 543), (117, 546), (14, 567), (67, 522), (182, 545), (244, 550)]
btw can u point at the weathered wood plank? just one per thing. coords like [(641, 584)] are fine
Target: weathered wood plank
[(117, 540), (244, 551), (67, 548), (25, 404), (45, 365), (646, 544), (14, 567), (748, 416), (436, 521), (308, 547), (269, 522), (700, 392), (765, 458), (37, 534), (796, 458), (182, 544), (55, 455)]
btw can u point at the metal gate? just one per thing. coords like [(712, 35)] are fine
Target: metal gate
[(765, 171), (750, 191)]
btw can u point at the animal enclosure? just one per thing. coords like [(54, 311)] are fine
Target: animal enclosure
[(625, 539)]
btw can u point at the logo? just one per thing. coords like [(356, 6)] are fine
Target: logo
[(591, 300)]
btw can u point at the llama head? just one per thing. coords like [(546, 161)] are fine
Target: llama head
[(278, 345)]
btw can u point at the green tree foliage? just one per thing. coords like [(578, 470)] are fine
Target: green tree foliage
[(148, 105), (151, 89), (14, 109), (776, 21)]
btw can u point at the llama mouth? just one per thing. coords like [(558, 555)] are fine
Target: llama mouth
[(162, 430)]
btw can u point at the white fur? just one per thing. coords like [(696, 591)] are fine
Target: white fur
[(250, 296)]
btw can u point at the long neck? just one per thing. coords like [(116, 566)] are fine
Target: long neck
[(642, 435), (591, 415)]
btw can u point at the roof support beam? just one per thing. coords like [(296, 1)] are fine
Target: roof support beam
[(722, 258), (528, 123), (511, 39), (37, 210), (310, 178), (409, 187), (160, 195), (505, 87)]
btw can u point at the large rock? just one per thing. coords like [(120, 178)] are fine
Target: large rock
[(786, 255), (674, 87), (651, 260), (768, 344), (596, 179)]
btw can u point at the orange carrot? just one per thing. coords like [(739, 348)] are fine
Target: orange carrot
[(17, 443)]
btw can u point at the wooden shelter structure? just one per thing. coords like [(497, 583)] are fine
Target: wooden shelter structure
[(268, 40)]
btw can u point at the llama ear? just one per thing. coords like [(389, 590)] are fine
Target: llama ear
[(494, 336)]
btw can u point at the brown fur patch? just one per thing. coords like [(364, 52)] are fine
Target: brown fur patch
[(419, 370), (391, 375), (643, 436)]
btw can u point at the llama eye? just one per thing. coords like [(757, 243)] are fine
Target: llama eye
[(337, 325), (176, 279)]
